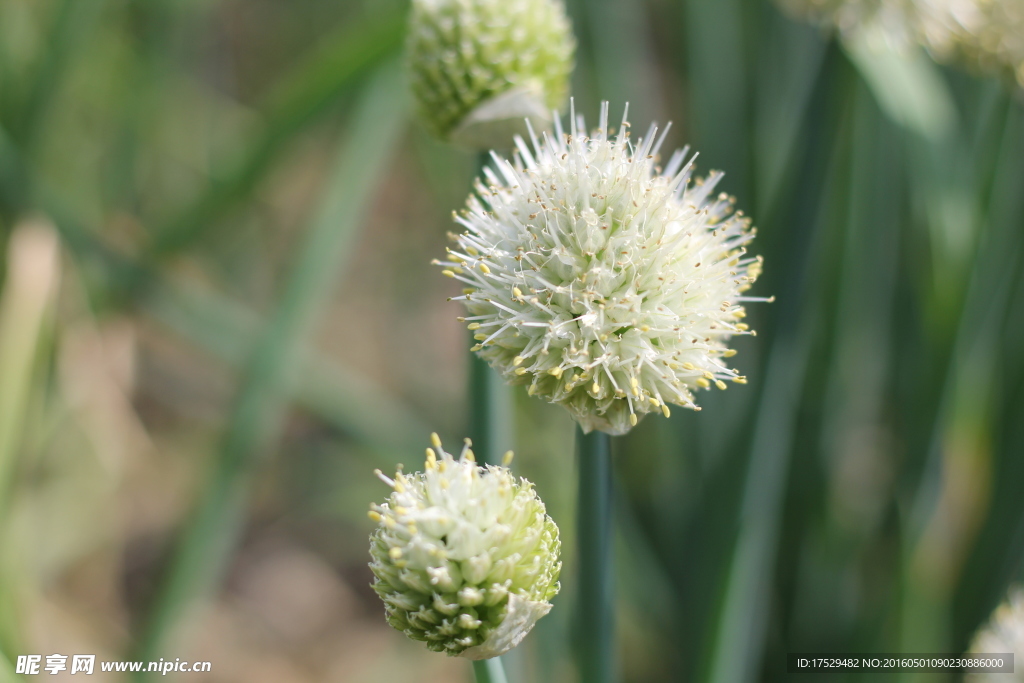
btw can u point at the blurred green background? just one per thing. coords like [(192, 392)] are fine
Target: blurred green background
[(218, 316)]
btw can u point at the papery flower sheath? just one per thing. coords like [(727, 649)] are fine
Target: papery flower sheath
[(465, 557), (600, 280)]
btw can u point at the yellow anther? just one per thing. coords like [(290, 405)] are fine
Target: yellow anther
[(374, 515), (720, 384), (689, 366), (595, 388), (517, 293), (654, 402), (632, 419), (739, 380), (468, 290), (448, 273), (435, 440), (708, 375), (645, 328), (517, 361), (665, 411), (431, 459), (472, 251), (703, 383), (742, 326), (506, 459), (473, 326), (636, 391), (531, 390), (729, 353), (520, 371), (480, 336), (395, 553), (633, 382), (476, 347), (468, 455), (457, 270), (555, 372), (484, 269)]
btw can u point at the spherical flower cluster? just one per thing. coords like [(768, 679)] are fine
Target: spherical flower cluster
[(985, 34), (465, 557), (897, 18), (480, 67), (603, 282), (1003, 634)]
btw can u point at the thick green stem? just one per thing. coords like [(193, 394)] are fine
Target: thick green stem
[(490, 412), (595, 611), (490, 428), (489, 671)]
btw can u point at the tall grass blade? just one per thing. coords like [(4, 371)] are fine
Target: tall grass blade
[(33, 275), (907, 85), (258, 412), (743, 618), (335, 392), (343, 58)]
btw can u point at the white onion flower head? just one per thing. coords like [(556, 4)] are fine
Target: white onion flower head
[(465, 557), (1004, 633), (480, 67), (604, 283), (897, 20), (986, 35)]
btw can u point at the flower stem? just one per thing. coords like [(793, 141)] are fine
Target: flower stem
[(489, 671), (595, 613), (490, 411), (490, 402)]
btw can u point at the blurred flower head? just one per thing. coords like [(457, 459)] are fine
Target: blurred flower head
[(984, 34), (480, 67), (987, 35), (465, 557), (603, 282), (1004, 633)]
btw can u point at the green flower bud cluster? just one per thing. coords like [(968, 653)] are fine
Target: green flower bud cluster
[(479, 68), (465, 557)]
